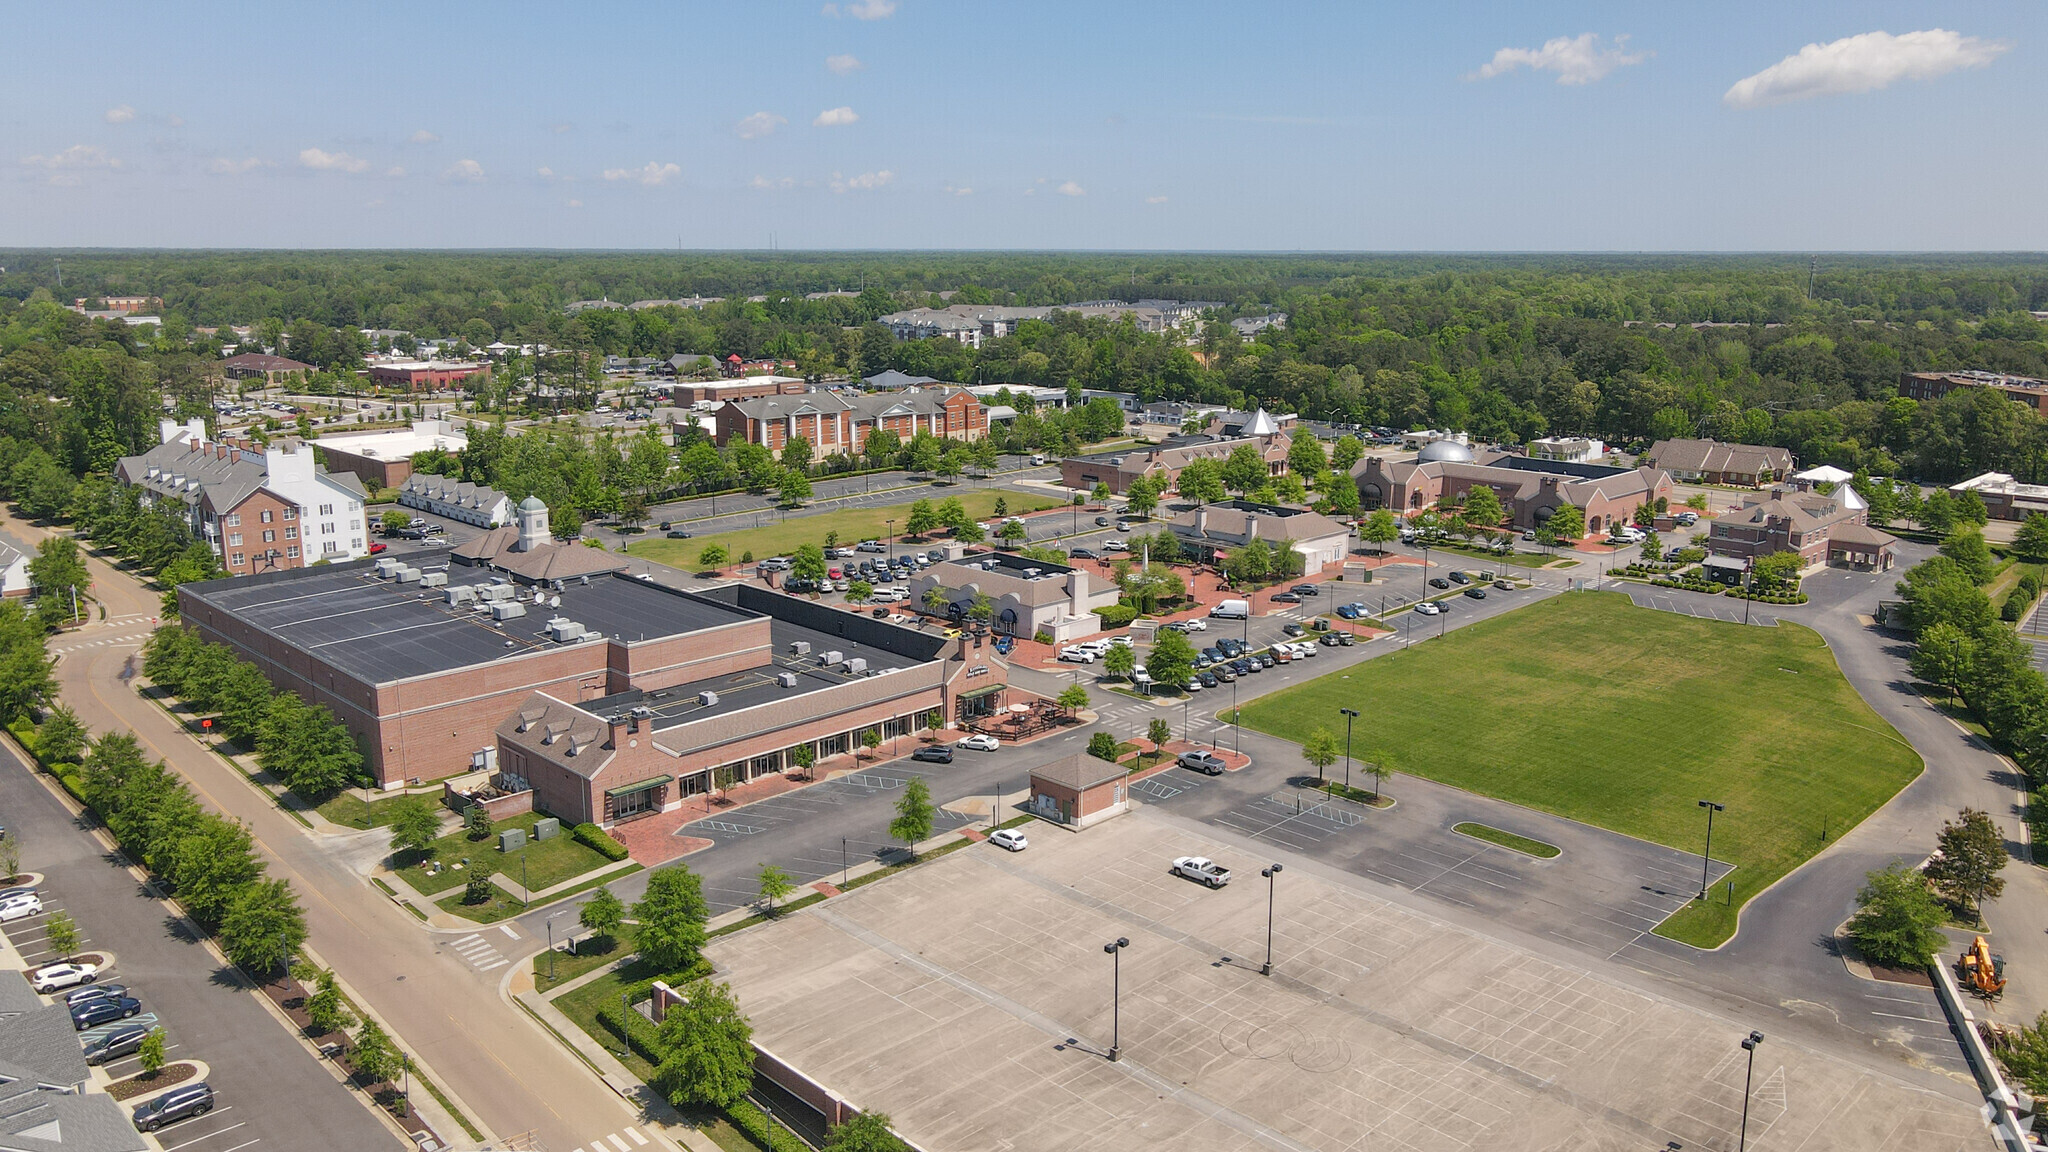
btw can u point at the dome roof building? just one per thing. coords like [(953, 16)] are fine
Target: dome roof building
[(1444, 452)]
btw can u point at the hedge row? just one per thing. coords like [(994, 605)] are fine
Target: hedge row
[(593, 837), (748, 1118), (1117, 615)]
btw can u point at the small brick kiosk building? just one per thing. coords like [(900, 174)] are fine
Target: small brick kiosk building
[(1079, 791)]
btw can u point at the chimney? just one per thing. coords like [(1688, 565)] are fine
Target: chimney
[(619, 726)]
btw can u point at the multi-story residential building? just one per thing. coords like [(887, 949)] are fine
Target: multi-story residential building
[(1249, 327), (1530, 490), (14, 558), (1934, 385), (458, 500), (836, 423), (260, 508), (1712, 462)]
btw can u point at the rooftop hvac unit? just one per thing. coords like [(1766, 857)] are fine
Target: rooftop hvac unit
[(507, 610), (433, 579), (408, 575), (495, 592), (827, 659), (856, 666), (460, 594), (562, 631), (506, 580), (707, 699), (786, 679), (388, 567), (800, 647), (1032, 573)]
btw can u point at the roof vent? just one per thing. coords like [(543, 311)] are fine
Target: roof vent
[(708, 699), (786, 679)]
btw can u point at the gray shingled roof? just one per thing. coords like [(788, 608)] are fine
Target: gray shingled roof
[(1079, 772), (34, 1120)]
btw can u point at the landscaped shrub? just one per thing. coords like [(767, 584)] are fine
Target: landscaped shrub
[(639, 1033), (1117, 615), (1042, 637), (1102, 746), (593, 837), (747, 1118)]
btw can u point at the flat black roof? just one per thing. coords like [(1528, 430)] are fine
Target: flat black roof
[(753, 686), (381, 630), (1011, 564)]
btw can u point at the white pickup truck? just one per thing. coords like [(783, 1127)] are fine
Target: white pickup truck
[(1203, 869)]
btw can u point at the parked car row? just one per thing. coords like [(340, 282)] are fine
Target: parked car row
[(103, 1010)]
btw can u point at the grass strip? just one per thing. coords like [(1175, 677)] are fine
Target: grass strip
[(441, 1098), (759, 918), (1506, 839), (892, 869)]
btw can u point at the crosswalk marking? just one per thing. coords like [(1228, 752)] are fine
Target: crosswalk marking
[(479, 952), (637, 1137), (616, 1141), (619, 1142)]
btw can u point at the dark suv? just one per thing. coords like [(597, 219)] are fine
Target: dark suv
[(104, 1010), (934, 754), (115, 1043), (175, 1105)]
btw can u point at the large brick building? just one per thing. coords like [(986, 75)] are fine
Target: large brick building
[(431, 671), (416, 374), (1119, 470), (1934, 385), (1832, 528), (836, 423), (1530, 490), (1712, 462)]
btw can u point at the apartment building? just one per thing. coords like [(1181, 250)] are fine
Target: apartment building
[(260, 508)]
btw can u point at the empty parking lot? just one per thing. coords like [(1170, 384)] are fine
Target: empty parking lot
[(971, 1000)]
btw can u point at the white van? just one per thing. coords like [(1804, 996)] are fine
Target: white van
[(1232, 610)]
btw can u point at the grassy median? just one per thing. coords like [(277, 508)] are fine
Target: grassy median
[(1591, 708)]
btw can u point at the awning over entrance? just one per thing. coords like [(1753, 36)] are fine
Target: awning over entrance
[(642, 786), (981, 692)]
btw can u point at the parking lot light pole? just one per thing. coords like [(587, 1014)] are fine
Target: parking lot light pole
[(1707, 856), (889, 549), (1186, 699), (1115, 949), (1749, 1045), (1269, 872), (1350, 714)]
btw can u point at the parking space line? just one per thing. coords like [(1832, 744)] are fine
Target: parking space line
[(1922, 1019), (239, 1147)]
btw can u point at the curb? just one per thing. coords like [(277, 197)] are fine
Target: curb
[(132, 1102)]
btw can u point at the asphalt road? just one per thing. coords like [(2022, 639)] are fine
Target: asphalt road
[(273, 1093)]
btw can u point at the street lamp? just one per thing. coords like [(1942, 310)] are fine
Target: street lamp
[(1749, 1045), (1185, 700), (1269, 872), (1350, 714), (1707, 856), (1115, 949), (889, 550)]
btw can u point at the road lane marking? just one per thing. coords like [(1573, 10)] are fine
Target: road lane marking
[(507, 930)]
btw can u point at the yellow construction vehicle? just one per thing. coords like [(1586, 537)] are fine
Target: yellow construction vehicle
[(1981, 970)]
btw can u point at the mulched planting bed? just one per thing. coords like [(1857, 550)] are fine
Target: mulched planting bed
[(166, 1076)]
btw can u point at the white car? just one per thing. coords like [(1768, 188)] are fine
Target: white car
[(1203, 869), (1193, 624), (1194, 685), (51, 977), (1075, 654), (1427, 608), (980, 742), (1123, 525), (1009, 838), (20, 907), (1123, 641), (1115, 545)]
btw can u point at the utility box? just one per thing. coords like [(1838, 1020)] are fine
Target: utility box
[(511, 840), (547, 828)]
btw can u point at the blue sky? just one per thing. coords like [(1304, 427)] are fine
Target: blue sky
[(929, 124)]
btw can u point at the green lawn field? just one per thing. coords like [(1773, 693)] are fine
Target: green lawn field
[(852, 524), (1589, 707)]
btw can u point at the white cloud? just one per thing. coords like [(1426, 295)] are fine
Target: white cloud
[(1155, 199), (652, 174), (835, 117), (395, 171), (575, 203), (462, 170), (1862, 63), (958, 190), (121, 114), (558, 129), (843, 64), (764, 184), (758, 125), (1071, 189), (321, 161), (76, 156), (425, 137), (222, 166), (1576, 60), (865, 182), (544, 172), (863, 9)]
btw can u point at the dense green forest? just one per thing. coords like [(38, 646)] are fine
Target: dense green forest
[(1505, 347)]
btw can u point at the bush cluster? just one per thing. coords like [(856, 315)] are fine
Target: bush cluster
[(593, 837), (1102, 746), (1690, 582), (300, 744), (2023, 594), (1117, 615)]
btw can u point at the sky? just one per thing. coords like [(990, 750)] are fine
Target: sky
[(943, 124)]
